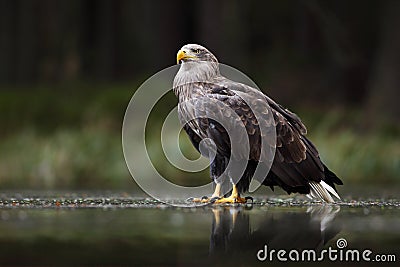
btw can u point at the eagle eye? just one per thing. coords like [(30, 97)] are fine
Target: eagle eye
[(196, 51)]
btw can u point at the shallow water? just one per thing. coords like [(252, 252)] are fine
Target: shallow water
[(121, 229)]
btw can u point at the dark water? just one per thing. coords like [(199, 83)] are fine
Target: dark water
[(118, 229)]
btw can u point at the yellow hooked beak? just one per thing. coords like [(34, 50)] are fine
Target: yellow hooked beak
[(182, 55)]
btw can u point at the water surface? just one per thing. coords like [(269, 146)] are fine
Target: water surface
[(121, 229)]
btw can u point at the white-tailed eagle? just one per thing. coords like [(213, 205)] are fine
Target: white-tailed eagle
[(296, 166)]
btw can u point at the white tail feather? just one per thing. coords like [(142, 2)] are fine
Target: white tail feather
[(322, 191), (330, 189)]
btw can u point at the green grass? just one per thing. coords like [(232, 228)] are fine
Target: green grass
[(84, 158), (366, 159), (71, 139)]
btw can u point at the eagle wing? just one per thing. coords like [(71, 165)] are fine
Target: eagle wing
[(296, 162), (223, 112), (297, 166)]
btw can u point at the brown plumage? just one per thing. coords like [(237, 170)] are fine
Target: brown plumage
[(207, 100)]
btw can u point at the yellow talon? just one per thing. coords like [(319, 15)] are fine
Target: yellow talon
[(200, 200), (216, 194), (232, 199)]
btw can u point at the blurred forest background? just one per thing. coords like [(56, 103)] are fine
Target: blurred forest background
[(68, 69)]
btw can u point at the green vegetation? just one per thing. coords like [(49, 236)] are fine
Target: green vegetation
[(370, 158), (62, 138)]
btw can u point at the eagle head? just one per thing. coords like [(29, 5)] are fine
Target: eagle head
[(194, 52), (197, 64)]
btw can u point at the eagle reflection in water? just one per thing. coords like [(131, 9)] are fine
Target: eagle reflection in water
[(234, 233)]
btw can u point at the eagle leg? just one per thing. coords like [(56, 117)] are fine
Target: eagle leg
[(216, 195), (233, 198)]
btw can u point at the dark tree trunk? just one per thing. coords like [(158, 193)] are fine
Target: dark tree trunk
[(384, 87), (7, 41), (26, 43), (105, 39)]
